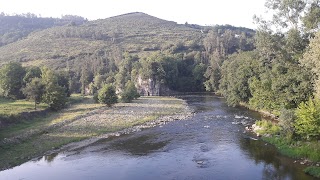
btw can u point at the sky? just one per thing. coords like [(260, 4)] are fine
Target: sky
[(202, 12)]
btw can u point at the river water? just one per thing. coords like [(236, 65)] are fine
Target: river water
[(210, 145)]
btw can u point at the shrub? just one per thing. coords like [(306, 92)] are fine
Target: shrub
[(307, 124), (286, 121), (130, 92), (107, 95), (55, 96), (313, 171), (268, 127)]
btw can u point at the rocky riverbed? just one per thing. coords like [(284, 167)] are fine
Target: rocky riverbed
[(103, 122)]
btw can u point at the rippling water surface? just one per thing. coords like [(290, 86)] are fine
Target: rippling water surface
[(211, 145)]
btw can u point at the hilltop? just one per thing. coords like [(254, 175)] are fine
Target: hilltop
[(133, 33)]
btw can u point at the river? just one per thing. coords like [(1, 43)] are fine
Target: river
[(212, 144)]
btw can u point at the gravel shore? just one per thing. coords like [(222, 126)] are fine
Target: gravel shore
[(143, 113), (91, 126)]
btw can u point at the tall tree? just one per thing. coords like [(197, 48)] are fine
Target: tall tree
[(311, 59), (287, 13), (311, 20), (11, 80), (34, 90), (85, 78), (130, 92), (32, 72), (55, 96)]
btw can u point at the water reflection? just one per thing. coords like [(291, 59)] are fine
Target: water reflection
[(275, 166), (141, 145), (49, 158)]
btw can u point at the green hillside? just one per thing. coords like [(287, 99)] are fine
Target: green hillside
[(16, 27), (134, 33), (133, 46)]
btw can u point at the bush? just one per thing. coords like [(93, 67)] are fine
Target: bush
[(107, 95), (286, 121), (268, 127), (130, 92), (313, 171), (55, 96), (307, 124)]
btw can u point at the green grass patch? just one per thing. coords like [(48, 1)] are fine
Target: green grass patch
[(78, 105), (19, 111), (313, 171), (268, 127), (296, 149), (290, 147), (10, 107)]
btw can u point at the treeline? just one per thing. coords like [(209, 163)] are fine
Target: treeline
[(281, 75), (37, 84), (16, 27), (181, 67), (43, 85)]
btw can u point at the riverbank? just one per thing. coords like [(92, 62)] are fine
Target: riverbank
[(14, 111), (86, 120), (303, 152)]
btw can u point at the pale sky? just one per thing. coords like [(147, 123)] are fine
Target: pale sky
[(202, 12)]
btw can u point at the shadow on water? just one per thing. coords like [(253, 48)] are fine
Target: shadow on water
[(50, 158), (140, 146), (275, 166)]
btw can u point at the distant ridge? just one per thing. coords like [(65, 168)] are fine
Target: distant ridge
[(131, 13)]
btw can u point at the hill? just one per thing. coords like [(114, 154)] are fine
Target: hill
[(134, 46), (133, 33), (16, 27)]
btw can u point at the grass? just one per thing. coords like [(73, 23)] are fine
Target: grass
[(296, 149), (10, 107), (313, 171), (78, 105), (291, 148), (14, 111), (268, 127), (82, 119)]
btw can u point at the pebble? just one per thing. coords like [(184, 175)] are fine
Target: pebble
[(199, 162)]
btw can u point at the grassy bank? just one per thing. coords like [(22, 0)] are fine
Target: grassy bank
[(12, 111), (82, 119), (306, 152)]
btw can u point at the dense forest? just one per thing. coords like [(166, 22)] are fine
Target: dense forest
[(273, 69)]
